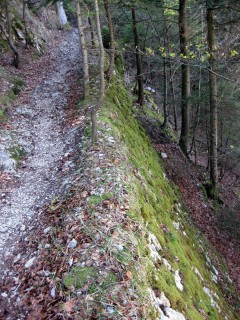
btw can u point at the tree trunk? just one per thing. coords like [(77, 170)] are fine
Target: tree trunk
[(165, 102), (196, 118), (101, 70), (185, 103), (91, 31), (112, 44), (25, 22), (171, 84), (84, 52), (61, 15), (213, 155), (9, 37), (138, 60)]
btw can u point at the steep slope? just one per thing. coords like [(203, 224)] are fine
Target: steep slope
[(120, 244), (174, 246)]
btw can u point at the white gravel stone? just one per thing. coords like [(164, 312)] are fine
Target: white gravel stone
[(176, 225), (46, 230), (118, 246), (17, 258), (72, 244), (3, 229), (29, 263), (4, 295), (22, 228), (171, 315)]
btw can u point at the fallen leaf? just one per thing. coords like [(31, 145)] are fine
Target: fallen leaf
[(128, 275), (96, 256), (69, 305), (84, 194)]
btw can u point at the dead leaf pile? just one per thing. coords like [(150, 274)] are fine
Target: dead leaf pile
[(87, 231)]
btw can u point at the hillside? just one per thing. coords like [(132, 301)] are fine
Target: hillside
[(111, 230), (119, 243)]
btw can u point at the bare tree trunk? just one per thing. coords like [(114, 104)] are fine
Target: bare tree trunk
[(102, 80), (84, 51), (171, 84), (213, 155), (25, 22), (9, 37), (165, 102), (91, 31), (112, 44), (196, 119), (185, 103), (138, 60), (207, 136)]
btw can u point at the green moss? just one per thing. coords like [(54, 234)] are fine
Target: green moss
[(95, 200), (152, 201), (78, 277), (8, 97), (124, 257), (109, 280)]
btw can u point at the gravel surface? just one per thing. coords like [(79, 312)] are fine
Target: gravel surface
[(39, 129)]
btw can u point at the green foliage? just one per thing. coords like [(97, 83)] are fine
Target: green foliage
[(106, 37), (7, 98), (127, 33), (17, 152), (3, 44), (17, 24)]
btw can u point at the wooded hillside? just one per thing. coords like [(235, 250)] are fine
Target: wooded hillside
[(119, 159)]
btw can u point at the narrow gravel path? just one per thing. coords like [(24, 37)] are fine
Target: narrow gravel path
[(39, 127)]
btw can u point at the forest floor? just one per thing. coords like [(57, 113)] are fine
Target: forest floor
[(44, 120)]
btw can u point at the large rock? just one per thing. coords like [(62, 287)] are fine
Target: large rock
[(171, 315), (178, 280)]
